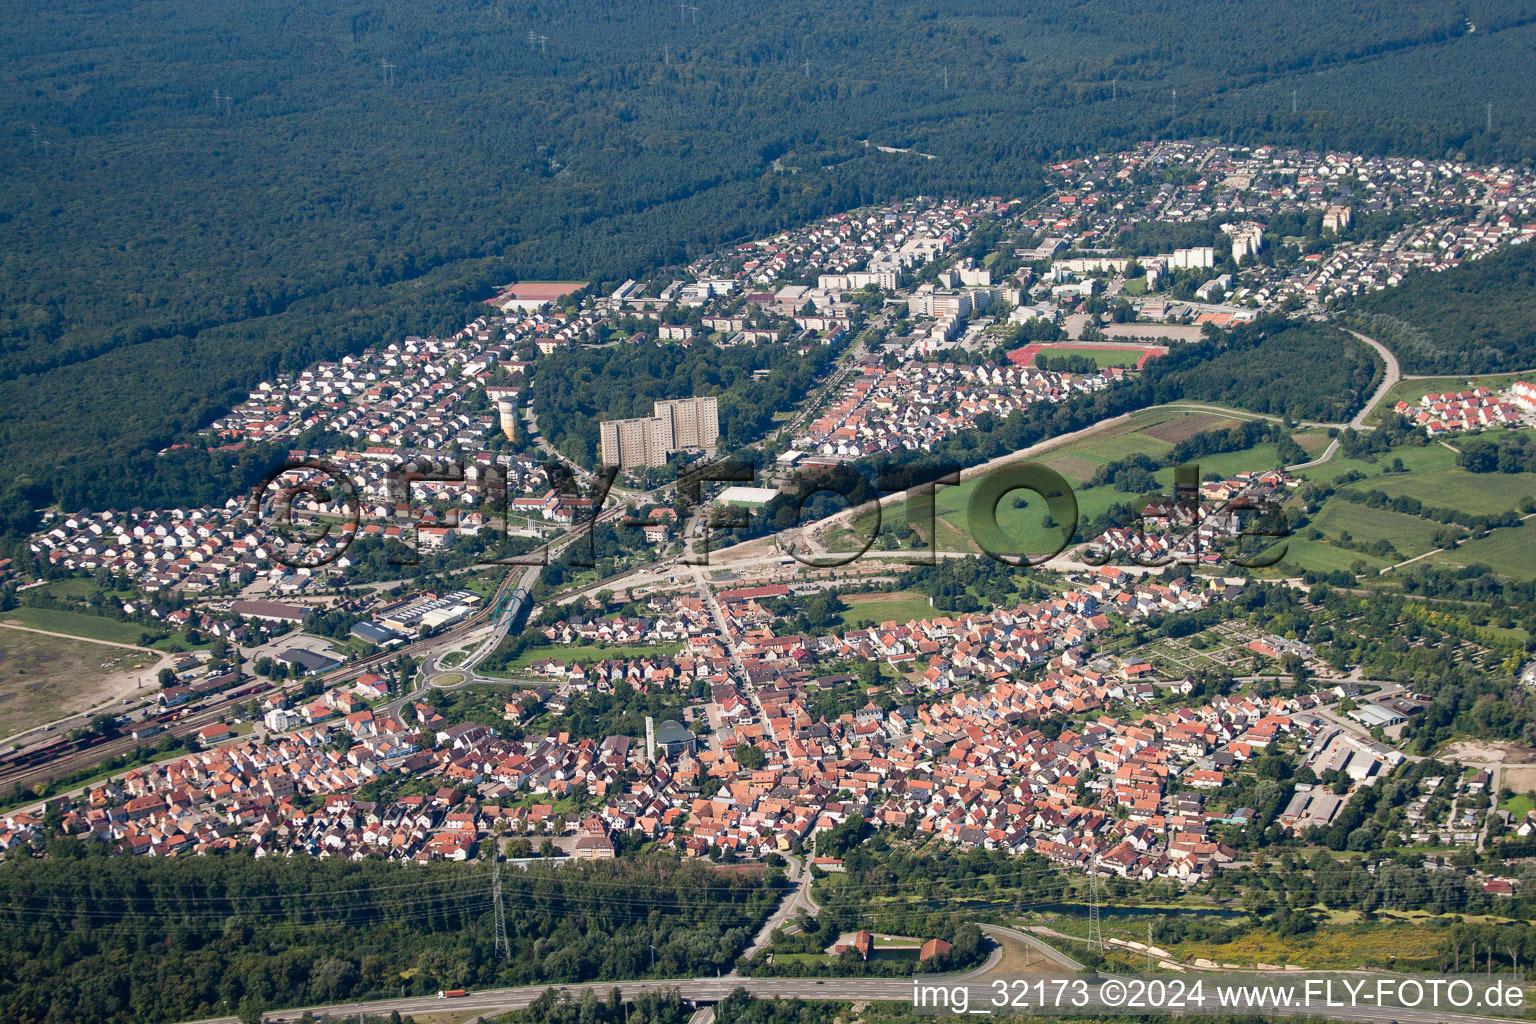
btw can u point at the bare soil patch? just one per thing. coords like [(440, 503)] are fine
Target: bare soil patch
[(1185, 427), (44, 678), (1074, 466), (1489, 750)]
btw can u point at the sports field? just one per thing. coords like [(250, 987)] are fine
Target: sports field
[(1121, 356)]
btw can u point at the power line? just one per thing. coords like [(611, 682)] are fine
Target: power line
[(1095, 932), (503, 947), (467, 900)]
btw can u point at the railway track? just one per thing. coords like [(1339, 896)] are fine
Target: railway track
[(62, 757)]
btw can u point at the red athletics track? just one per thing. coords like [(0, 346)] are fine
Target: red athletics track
[(1024, 356)]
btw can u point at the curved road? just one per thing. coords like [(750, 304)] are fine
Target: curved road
[(1389, 379)]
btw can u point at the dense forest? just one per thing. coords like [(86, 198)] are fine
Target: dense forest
[(1269, 368), (85, 936), (194, 200), (1475, 318)]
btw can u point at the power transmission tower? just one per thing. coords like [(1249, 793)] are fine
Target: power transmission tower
[(503, 947), (1293, 101), (542, 41), (1490, 115), (807, 66), (1149, 947), (389, 72), (946, 78), (1095, 932)]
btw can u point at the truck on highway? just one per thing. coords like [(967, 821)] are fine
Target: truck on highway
[(452, 993)]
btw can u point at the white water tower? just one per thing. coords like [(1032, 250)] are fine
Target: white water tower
[(507, 408)]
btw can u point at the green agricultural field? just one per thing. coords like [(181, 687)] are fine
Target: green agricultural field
[(1511, 552), (1336, 467), (1453, 487), (77, 587), (1518, 806), (1315, 442), (1020, 514), (1317, 556), (1118, 446), (872, 609), (1257, 458), (88, 627), (1415, 459), (1423, 459), (1410, 535)]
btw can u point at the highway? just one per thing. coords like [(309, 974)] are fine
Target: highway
[(711, 990)]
